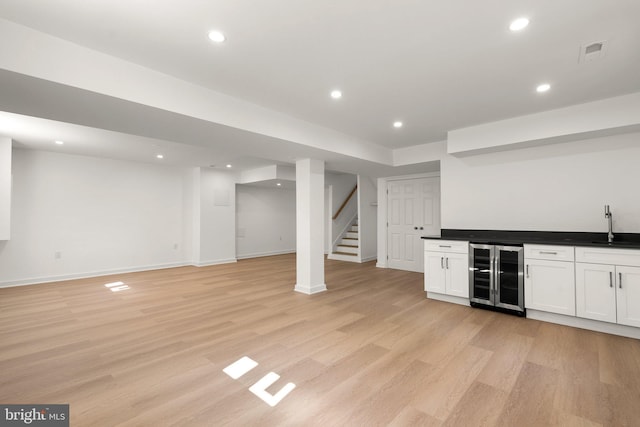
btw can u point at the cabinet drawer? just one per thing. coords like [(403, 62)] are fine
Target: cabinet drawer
[(455, 246), (614, 256), (549, 252)]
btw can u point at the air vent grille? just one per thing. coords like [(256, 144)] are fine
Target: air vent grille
[(593, 48), (592, 51)]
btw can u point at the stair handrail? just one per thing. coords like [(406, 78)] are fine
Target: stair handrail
[(345, 202)]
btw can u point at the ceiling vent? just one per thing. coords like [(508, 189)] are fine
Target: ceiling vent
[(592, 51)]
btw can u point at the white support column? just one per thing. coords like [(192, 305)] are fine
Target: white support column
[(5, 188), (310, 226)]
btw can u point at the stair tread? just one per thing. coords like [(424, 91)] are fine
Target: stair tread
[(350, 238), (344, 253), (350, 246)]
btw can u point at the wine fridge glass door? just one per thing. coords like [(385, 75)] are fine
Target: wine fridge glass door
[(481, 277), (509, 277)]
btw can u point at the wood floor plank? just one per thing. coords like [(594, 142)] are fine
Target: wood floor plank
[(410, 416), (450, 381), (537, 386), (480, 405), (504, 367), (391, 397), (372, 350)]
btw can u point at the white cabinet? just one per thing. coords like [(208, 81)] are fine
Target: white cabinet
[(596, 292), (457, 275), (608, 286), (628, 295), (550, 286), (434, 272), (549, 279), (446, 267)]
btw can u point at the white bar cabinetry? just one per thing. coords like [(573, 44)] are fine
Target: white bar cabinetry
[(608, 285), (446, 267), (549, 279)]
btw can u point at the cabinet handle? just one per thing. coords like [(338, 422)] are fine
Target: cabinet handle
[(444, 246), (611, 279), (527, 271), (447, 264), (620, 281), (441, 262), (549, 253), (415, 228)]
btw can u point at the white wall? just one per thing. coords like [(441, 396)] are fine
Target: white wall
[(5, 188), (560, 187), (215, 217), (367, 217), (99, 215), (191, 214), (265, 221)]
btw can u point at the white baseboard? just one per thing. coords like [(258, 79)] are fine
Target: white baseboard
[(578, 322), (88, 274), (381, 264), (214, 262), (270, 253), (370, 258)]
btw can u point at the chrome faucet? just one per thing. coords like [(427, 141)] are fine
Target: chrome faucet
[(609, 216)]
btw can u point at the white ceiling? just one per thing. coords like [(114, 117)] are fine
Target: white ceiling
[(437, 66)]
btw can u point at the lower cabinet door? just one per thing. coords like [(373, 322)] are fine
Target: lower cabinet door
[(550, 286), (457, 272), (596, 292), (628, 295), (434, 272)]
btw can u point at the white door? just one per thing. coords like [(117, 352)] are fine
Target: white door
[(628, 290), (596, 292), (413, 211), (457, 272)]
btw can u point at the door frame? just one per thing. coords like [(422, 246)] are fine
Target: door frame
[(382, 212)]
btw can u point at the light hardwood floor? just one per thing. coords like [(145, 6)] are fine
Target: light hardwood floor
[(370, 351)]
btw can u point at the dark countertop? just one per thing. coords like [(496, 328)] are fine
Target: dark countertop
[(508, 237)]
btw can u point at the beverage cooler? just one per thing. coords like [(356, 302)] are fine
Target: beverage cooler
[(496, 277)]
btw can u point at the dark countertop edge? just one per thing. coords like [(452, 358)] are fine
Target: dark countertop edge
[(621, 240)]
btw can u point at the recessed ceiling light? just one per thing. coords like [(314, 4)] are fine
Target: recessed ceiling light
[(216, 36), (58, 142), (278, 184), (519, 24), (543, 87), (159, 156), (397, 124), (336, 94), (229, 166)]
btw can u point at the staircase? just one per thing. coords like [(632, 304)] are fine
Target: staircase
[(348, 249)]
